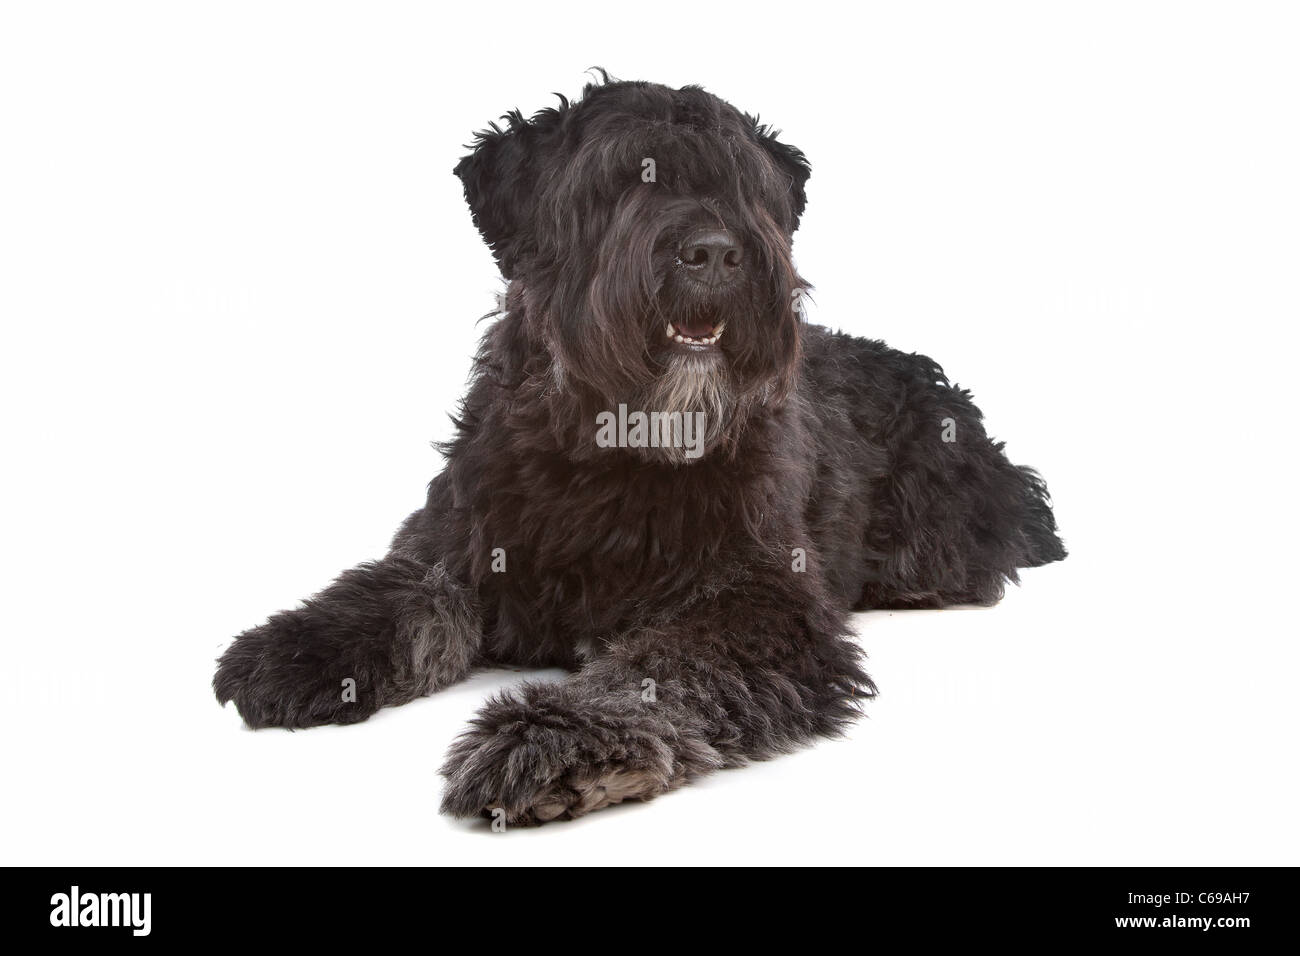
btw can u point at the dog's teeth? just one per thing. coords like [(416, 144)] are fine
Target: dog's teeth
[(672, 333)]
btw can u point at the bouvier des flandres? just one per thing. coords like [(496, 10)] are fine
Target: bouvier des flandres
[(663, 479)]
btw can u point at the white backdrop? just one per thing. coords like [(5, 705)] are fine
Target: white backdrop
[(239, 294)]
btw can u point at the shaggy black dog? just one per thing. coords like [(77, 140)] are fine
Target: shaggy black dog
[(663, 480)]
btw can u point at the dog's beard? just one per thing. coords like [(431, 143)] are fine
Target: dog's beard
[(694, 386), (712, 358)]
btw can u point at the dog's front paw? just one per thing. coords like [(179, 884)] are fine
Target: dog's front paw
[(277, 678), (547, 754)]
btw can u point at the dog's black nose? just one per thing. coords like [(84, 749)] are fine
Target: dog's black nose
[(712, 256)]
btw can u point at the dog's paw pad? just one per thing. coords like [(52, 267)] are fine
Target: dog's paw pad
[(581, 793)]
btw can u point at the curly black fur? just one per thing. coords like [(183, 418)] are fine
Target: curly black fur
[(702, 602)]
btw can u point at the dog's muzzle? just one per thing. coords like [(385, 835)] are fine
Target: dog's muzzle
[(709, 260)]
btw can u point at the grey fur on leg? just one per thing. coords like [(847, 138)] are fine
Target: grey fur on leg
[(397, 628), (734, 680), (560, 750)]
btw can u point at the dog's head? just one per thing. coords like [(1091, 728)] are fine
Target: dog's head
[(646, 235)]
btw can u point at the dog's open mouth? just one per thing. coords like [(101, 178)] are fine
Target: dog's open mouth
[(698, 333)]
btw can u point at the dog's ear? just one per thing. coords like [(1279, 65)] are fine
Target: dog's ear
[(790, 162), (500, 180)]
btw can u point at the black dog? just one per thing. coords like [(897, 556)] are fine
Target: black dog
[(663, 479)]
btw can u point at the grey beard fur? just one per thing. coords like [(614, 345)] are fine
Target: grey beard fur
[(691, 384)]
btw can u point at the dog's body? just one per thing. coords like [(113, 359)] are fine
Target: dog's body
[(700, 600)]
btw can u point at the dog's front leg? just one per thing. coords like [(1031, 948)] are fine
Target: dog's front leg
[(745, 677), (382, 634)]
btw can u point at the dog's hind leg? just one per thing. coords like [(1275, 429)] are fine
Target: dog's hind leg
[(954, 543), (952, 519), (756, 672), (383, 633)]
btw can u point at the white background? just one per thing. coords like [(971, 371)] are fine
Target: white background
[(239, 294)]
